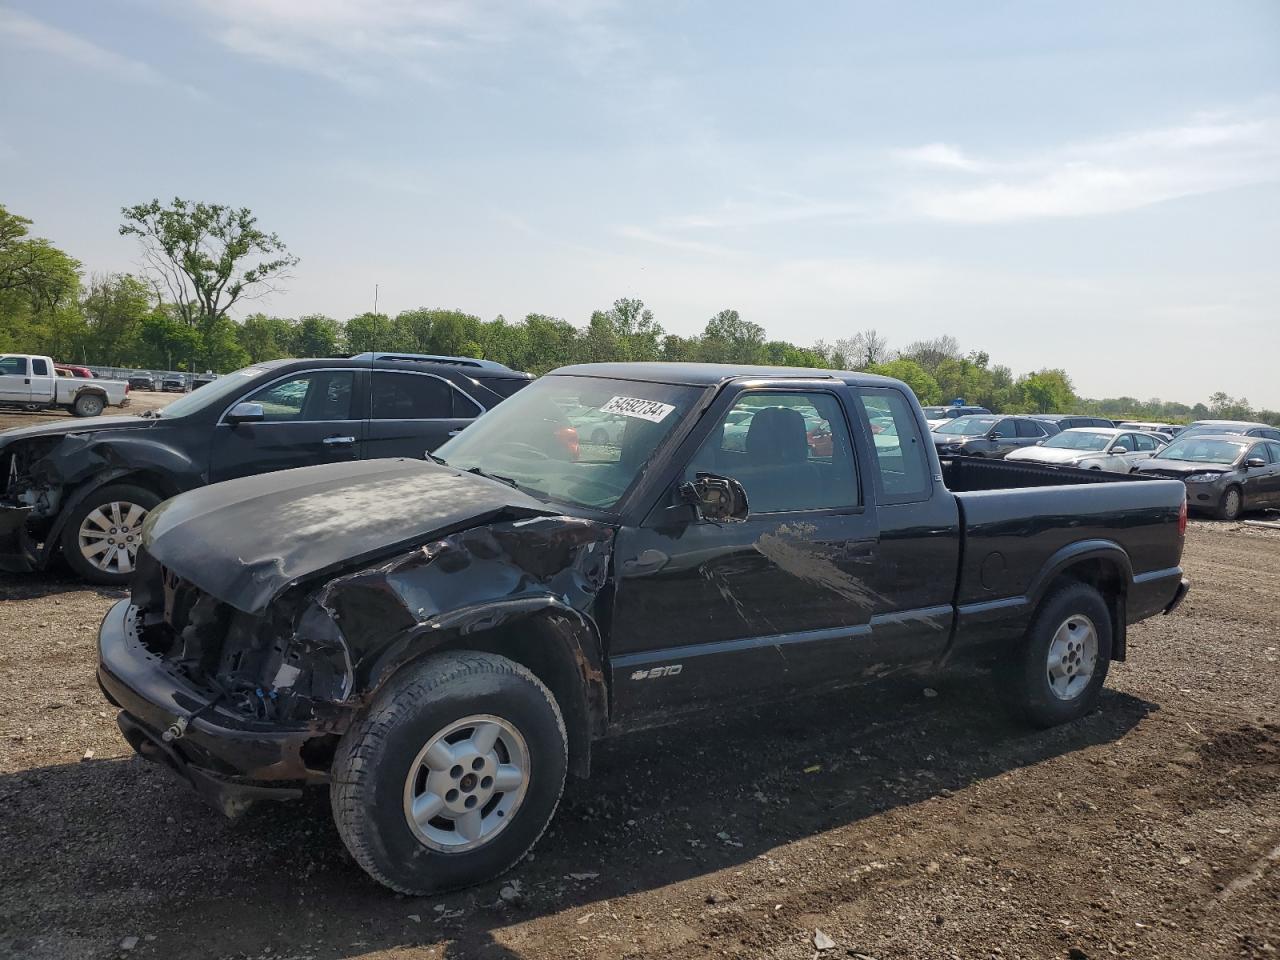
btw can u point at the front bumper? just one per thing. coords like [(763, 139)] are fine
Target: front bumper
[(18, 554), (230, 759)]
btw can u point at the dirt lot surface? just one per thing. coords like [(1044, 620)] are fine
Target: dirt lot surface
[(900, 824), (139, 400)]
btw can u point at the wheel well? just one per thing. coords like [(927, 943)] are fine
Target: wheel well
[(1107, 577), (158, 483), (538, 644)]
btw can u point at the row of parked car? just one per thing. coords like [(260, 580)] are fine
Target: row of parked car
[(1229, 466)]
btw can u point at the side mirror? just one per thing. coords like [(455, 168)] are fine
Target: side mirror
[(1255, 463), (716, 498), (246, 413)]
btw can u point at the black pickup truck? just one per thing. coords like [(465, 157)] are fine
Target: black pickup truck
[(440, 642)]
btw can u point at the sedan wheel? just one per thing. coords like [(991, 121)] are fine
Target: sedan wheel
[(103, 532), (1231, 504)]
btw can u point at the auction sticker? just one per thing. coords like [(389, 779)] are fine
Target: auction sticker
[(650, 410)]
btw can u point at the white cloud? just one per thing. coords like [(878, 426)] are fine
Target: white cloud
[(37, 35), (939, 155), (357, 41), (1105, 176)]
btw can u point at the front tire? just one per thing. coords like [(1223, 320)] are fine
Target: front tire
[(87, 405), (101, 536), (1231, 505), (1057, 674), (452, 775)]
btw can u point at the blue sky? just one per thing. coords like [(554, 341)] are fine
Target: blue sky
[(1091, 185)]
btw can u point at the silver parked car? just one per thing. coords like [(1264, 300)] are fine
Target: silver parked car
[(1093, 448)]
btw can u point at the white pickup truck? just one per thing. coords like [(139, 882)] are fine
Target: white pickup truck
[(32, 383)]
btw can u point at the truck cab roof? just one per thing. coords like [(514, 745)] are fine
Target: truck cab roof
[(712, 374)]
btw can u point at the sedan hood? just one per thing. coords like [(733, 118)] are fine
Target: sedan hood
[(246, 540), (1052, 454), (1181, 468), (60, 428)]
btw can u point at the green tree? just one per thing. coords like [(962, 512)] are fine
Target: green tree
[(1047, 391), (38, 288), (728, 338), (913, 375), (114, 307), (375, 331), (316, 336), (265, 338), (206, 256)]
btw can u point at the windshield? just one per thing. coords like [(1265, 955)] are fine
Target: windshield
[(584, 440), (968, 426), (220, 389), (1212, 431), (1202, 451), (1079, 440)]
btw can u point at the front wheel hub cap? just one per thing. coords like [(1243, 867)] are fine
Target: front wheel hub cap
[(466, 784), (108, 536), (1073, 657)]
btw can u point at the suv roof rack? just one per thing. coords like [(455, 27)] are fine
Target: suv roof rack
[(430, 358)]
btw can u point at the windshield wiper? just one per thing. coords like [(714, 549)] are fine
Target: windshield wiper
[(493, 476)]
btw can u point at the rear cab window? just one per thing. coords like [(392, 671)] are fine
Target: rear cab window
[(899, 448)]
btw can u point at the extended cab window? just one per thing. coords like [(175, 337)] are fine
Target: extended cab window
[(790, 451), (904, 470), (322, 395), (413, 396), (40, 367)]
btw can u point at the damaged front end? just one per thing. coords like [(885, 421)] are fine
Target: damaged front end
[(251, 705), (29, 503)]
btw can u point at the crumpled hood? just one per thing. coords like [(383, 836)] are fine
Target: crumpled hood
[(1182, 467), (60, 428), (1053, 454), (246, 540)]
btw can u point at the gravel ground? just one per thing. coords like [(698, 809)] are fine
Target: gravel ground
[(900, 825), (139, 400)]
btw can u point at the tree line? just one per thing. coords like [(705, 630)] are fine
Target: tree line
[(200, 261)]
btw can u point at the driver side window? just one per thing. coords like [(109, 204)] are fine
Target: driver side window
[(790, 451), (322, 395)]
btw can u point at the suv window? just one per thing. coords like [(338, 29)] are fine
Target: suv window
[(1029, 428), (1145, 442), (1005, 429), (13, 366), (321, 395), (790, 451), (413, 396), (895, 436)]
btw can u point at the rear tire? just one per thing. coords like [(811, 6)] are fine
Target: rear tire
[(1057, 674), (101, 536), (1231, 505), (87, 405), (404, 797)]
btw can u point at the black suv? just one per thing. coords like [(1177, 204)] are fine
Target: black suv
[(86, 488)]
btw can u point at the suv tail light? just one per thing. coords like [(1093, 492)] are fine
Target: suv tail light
[(1182, 518)]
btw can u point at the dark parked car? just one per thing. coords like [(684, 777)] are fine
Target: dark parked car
[(142, 381), (989, 436), (1070, 421), (174, 385), (1218, 428), (442, 660), (938, 414), (1225, 475), (85, 489)]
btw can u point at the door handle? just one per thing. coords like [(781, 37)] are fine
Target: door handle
[(649, 561), (337, 441), (860, 552)]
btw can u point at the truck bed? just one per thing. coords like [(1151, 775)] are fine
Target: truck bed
[(1022, 522)]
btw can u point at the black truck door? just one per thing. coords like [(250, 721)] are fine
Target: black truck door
[(413, 413), (709, 611), (310, 417), (919, 556)]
